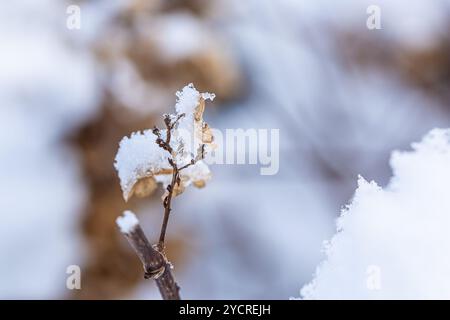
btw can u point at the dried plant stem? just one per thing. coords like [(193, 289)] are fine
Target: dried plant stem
[(165, 144), (155, 264), (167, 208), (154, 259), (139, 174)]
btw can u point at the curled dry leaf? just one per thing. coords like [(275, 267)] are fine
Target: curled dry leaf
[(143, 187)]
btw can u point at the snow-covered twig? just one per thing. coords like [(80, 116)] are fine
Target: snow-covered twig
[(174, 157), (155, 263), (176, 171)]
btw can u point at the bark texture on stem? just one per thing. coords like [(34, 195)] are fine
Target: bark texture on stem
[(155, 264)]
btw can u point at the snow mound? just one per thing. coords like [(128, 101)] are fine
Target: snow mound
[(394, 243)]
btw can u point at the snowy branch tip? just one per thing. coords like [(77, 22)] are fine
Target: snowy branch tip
[(127, 222), (143, 159)]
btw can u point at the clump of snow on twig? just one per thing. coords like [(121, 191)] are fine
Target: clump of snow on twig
[(139, 157), (394, 243), (127, 222)]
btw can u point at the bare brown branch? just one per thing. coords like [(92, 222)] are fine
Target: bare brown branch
[(155, 264)]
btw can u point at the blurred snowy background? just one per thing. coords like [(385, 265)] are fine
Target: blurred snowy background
[(343, 97)]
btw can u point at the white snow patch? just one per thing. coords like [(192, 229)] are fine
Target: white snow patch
[(187, 99), (127, 222), (138, 156), (393, 243)]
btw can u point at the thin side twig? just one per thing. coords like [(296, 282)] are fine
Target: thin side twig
[(165, 144), (167, 203)]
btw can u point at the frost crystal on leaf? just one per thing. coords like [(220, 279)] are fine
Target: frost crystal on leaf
[(141, 163), (393, 242)]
